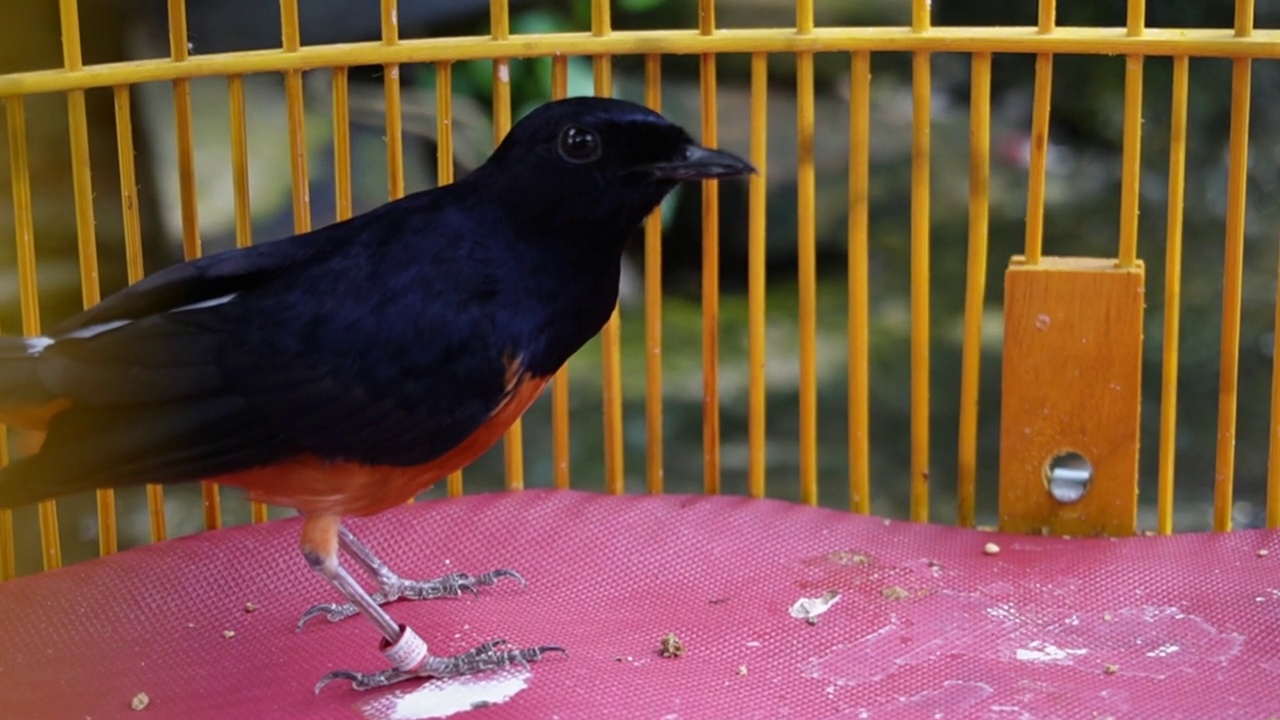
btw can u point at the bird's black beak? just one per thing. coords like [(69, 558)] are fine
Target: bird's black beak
[(698, 163)]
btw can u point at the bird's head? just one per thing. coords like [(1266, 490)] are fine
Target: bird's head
[(600, 162)]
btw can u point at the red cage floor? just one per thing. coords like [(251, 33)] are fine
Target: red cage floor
[(926, 625)]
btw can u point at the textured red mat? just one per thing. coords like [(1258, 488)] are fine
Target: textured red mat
[(926, 626)]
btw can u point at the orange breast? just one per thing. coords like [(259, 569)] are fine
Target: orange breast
[(313, 486)]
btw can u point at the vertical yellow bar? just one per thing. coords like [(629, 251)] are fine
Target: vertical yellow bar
[(757, 189), (128, 184), (560, 385), (1233, 270), (975, 287), (341, 142), (920, 18), (289, 35), (653, 305), (82, 186), (391, 92), (1244, 18), (1039, 146), (710, 268), (297, 121), (804, 16), (1048, 16), (69, 16), (859, 284), (1173, 301), (1137, 18), (188, 199), (806, 250), (611, 337), (444, 174), (24, 233), (240, 188), (133, 255), (500, 29), (1131, 162), (240, 161), (921, 90), (1039, 140)]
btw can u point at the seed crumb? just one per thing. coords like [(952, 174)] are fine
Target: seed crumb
[(1263, 552), (742, 669), (250, 607), (671, 646), (991, 549), (140, 701), (228, 634), (1111, 668), (895, 593)]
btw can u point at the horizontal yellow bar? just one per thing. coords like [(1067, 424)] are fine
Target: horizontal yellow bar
[(1073, 40)]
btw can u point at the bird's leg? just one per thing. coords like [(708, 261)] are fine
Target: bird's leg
[(392, 587), (320, 549), (406, 651), (489, 656)]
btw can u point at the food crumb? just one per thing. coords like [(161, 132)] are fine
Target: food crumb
[(139, 701), (1264, 552), (1108, 617), (895, 593), (1111, 668), (623, 658), (671, 646), (991, 549), (250, 607), (742, 669), (228, 634)]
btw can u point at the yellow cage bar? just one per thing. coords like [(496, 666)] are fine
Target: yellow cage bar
[(784, 421)]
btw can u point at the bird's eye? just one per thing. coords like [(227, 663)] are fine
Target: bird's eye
[(579, 145)]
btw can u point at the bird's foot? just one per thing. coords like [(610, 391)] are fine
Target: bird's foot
[(489, 656), (392, 587)]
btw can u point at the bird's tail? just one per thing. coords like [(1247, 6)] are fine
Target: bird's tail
[(26, 405), (21, 391)]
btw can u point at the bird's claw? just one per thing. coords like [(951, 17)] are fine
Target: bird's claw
[(485, 657), (394, 587)]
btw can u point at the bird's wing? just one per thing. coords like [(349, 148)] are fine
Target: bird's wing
[(204, 280), (274, 373)]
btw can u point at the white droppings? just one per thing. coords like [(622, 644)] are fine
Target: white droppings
[(811, 608), (1164, 650), (504, 73), (1038, 651), (441, 699)]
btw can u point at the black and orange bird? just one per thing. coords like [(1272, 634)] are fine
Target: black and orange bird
[(341, 371)]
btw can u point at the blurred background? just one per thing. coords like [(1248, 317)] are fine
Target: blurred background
[(1081, 218)]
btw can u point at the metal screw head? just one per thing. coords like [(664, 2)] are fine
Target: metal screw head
[(1068, 476)]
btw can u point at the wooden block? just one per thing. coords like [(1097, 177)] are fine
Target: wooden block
[(1072, 373)]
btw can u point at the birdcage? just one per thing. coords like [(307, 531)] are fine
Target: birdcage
[(678, 543)]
